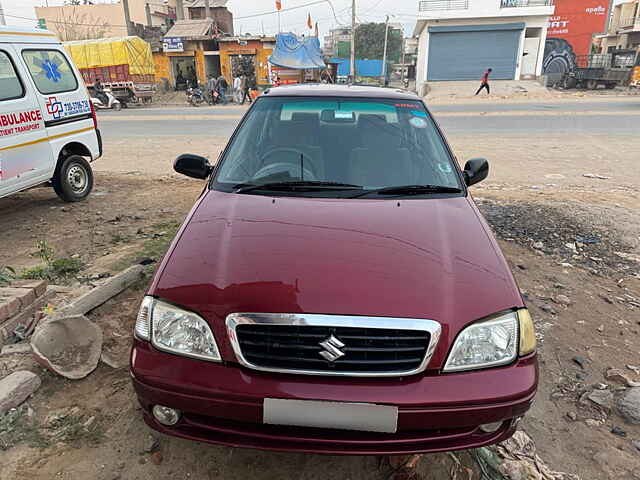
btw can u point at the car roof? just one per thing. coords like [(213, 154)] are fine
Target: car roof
[(333, 90)]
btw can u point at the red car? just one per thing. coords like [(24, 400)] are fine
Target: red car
[(335, 289)]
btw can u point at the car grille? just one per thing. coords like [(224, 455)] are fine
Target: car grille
[(297, 348)]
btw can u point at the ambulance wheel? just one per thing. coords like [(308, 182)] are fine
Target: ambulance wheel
[(73, 180)]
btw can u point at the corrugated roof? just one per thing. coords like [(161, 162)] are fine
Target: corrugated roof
[(189, 29), (200, 3)]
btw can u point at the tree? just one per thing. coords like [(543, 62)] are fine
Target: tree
[(79, 26), (370, 42)]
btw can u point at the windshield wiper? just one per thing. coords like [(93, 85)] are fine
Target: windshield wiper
[(296, 185), (410, 190)]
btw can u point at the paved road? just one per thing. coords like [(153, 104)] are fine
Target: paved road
[(617, 116)]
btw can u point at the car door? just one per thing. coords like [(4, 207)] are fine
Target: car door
[(61, 94), (24, 145)]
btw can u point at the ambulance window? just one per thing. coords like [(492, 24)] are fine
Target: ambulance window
[(10, 85), (50, 70)]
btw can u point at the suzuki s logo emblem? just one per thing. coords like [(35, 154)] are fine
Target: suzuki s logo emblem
[(332, 348)]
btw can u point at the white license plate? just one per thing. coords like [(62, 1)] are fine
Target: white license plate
[(366, 417)]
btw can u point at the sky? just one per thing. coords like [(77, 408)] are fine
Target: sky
[(400, 11)]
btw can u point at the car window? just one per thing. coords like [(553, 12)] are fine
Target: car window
[(369, 143), (10, 84), (50, 71)]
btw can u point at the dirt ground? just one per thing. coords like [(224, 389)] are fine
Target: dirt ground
[(564, 235)]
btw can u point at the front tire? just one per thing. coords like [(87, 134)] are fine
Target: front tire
[(73, 179), (117, 107)]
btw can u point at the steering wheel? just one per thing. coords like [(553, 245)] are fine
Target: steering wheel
[(293, 168)]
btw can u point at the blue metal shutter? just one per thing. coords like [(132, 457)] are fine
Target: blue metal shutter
[(465, 52)]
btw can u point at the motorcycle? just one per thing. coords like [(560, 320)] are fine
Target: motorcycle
[(112, 102), (195, 96)]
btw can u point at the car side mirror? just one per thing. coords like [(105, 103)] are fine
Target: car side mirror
[(475, 170), (193, 166)]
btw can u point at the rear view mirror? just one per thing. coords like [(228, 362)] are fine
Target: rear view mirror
[(193, 166), (475, 170)]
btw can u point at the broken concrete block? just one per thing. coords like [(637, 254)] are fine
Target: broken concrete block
[(16, 388), (16, 349), (38, 286), (69, 346), (9, 306), (26, 296)]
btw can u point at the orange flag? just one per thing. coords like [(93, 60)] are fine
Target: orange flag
[(309, 22), (278, 4)]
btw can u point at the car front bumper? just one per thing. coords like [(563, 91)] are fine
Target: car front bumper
[(222, 404)]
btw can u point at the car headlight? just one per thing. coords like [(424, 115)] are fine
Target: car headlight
[(175, 330), (485, 344)]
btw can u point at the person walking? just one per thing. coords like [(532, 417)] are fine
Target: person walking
[(212, 85), (484, 82), (245, 87), (237, 93), (222, 88)]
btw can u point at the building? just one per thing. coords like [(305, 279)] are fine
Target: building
[(337, 43), (623, 31), (248, 54), (81, 22), (222, 17), (460, 39)]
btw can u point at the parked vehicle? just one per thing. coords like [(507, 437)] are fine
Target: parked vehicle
[(124, 65), (195, 96), (335, 289), (48, 127), (592, 71), (112, 103)]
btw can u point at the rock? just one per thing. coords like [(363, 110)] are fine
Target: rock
[(562, 300), (604, 398), (572, 416), (151, 444), (629, 406), (592, 423), (618, 431), (600, 328), (16, 349), (16, 388), (156, 458), (538, 245), (548, 308), (580, 361), (636, 444), (69, 346), (594, 175), (618, 375)]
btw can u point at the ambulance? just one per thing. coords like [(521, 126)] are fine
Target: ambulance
[(48, 127)]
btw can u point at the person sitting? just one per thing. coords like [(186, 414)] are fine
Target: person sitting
[(98, 88)]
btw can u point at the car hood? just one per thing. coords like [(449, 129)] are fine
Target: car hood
[(418, 258)]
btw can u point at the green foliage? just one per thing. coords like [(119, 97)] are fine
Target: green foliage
[(57, 270), (370, 42), (7, 274)]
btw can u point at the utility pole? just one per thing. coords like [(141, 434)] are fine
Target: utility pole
[(402, 69), (179, 10), (2, 20), (384, 55), (147, 11), (207, 9), (127, 16), (353, 42)]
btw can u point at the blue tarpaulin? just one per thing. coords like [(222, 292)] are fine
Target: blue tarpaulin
[(364, 68), (297, 53)]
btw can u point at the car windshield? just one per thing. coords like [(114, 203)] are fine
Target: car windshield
[(336, 147)]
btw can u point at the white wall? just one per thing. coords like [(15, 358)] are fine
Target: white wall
[(486, 8), (530, 22)]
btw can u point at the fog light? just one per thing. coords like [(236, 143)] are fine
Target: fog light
[(490, 427), (165, 415)]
